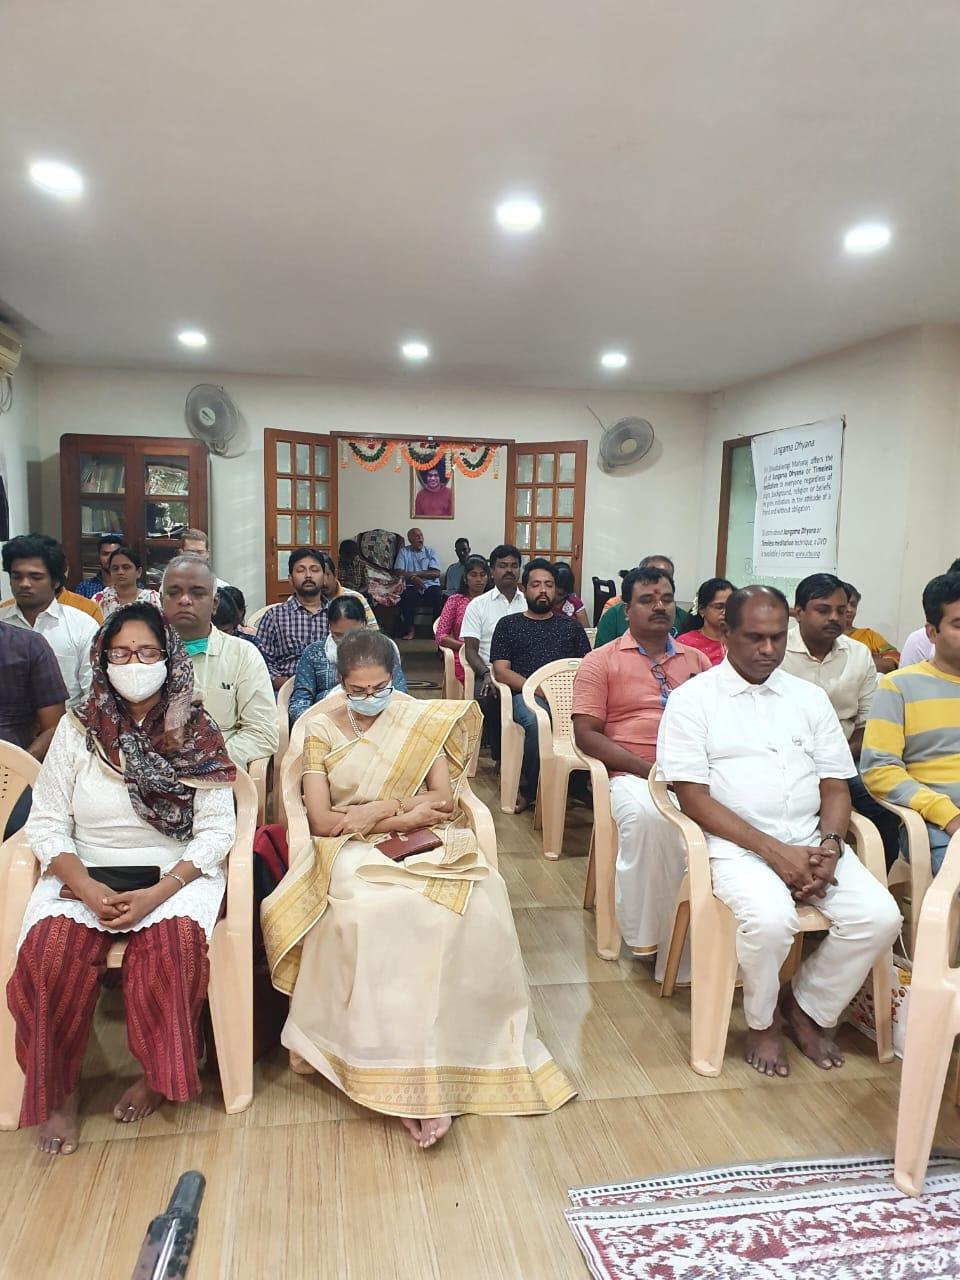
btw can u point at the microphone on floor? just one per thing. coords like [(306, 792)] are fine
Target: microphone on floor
[(167, 1246)]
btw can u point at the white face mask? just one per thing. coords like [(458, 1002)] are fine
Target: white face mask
[(136, 681), (330, 650)]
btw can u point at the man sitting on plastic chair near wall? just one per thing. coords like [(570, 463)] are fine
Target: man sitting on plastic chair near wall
[(619, 694), (759, 761)]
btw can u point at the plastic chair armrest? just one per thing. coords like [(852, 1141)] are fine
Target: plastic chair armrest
[(544, 727), (481, 823), (868, 846)]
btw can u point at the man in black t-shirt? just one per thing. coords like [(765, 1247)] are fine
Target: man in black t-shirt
[(522, 644)]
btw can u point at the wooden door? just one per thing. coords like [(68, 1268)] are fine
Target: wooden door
[(300, 501), (546, 487)]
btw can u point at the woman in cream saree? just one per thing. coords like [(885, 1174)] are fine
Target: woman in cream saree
[(406, 982)]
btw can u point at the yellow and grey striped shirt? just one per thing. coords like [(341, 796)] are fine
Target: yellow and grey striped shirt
[(911, 745)]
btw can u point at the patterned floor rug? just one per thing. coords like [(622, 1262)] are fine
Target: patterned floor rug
[(822, 1220)]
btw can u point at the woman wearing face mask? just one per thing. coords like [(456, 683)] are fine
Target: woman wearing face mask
[(476, 580), (407, 984), (132, 817), (123, 568), (316, 674)]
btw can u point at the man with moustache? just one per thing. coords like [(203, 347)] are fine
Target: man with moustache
[(619, 696), (758, 759), (522, 644), (229, 672), (820, 652), (285, 630)]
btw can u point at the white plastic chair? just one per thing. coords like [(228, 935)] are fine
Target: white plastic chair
[(915, 872), (511, 749), (230, 990), (559, 756), (18, 770), (452, 688), (591, 635), (713, 930), (468, 694), (933, 1024), (283, 727)]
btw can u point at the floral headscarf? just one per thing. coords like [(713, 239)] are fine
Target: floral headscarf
[(176, 749)]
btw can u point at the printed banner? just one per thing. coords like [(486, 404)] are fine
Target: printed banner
[(798, 473)]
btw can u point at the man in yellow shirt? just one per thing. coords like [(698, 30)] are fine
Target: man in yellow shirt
[(885, 656)]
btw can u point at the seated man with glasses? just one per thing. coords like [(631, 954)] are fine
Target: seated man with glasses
[(619, 695)]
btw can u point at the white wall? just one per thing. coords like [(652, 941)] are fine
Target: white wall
[(19, 449), (899, 524), (653, 510)]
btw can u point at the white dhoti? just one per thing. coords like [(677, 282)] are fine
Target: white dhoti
[(864, 921), (651, 860)]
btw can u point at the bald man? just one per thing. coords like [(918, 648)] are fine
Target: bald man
[(419, 566)]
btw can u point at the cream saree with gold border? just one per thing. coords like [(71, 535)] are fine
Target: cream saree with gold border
[(407, 984)]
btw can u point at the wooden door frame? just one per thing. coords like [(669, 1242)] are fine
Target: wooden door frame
[(312, 438), (578, 447), (726, 477)]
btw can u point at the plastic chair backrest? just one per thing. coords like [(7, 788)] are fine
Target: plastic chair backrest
[(555, 684), (18, 770), (258, 614)]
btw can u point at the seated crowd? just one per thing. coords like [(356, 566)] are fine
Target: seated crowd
[(769, 721)]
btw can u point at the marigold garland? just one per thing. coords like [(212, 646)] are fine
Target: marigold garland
[(470, 460), (372, 455)]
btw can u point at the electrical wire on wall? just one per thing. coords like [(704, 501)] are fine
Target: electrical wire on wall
[(6, 392)]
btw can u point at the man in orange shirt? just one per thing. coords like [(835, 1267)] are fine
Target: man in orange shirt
[(619, 694)]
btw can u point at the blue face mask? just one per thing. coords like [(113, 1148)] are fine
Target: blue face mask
[(373, 705)]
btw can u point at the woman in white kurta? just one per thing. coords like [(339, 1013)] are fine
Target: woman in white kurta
[(131, 820), (407, 983)]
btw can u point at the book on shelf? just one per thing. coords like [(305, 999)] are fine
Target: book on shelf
[(98, 476), (94, 520)]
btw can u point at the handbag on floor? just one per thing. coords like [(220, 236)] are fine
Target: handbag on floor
[(860, 1012)]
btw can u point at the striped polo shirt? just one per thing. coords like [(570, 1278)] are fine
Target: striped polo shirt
[(911, 745)]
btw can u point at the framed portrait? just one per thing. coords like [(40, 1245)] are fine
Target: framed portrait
[(431, 492)]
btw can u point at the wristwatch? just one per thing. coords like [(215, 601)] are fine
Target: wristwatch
[(832, 835)]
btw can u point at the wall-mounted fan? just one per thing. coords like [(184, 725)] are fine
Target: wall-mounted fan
[(623, 444), (215, 421)]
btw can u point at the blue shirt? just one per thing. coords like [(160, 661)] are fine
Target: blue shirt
[(89, 587), (410, 561), (316, 676)]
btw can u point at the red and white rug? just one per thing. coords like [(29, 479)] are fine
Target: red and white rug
[(821, 1219)]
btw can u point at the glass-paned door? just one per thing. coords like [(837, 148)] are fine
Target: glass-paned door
[(300, 501), (546, 484)]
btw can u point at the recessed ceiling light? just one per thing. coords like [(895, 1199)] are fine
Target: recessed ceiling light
[(613, 359), (56, 178), (192, 338), (519, 214), (867, 238), (415, 350)]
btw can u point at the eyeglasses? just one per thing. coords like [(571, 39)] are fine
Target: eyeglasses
[(660, 676), (148, 653), (367, 691)]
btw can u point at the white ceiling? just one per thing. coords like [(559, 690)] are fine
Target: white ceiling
[(312, 182)]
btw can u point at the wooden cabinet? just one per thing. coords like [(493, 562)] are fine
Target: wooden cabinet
[(145, 487)]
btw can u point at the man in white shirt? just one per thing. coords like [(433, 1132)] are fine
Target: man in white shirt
[(419, 566), (918, 647), (229, 672), (38, 569), (476, 631), (194, 542), (759, 761), (818, 651)]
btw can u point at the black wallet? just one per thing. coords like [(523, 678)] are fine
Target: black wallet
[(125, 879)]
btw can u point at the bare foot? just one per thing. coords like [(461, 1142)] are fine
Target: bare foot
[(59, 1134), (764, 1050), (811, 1039), (522, 805), (138, 1102), (413, 1127), (433, 1130)]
